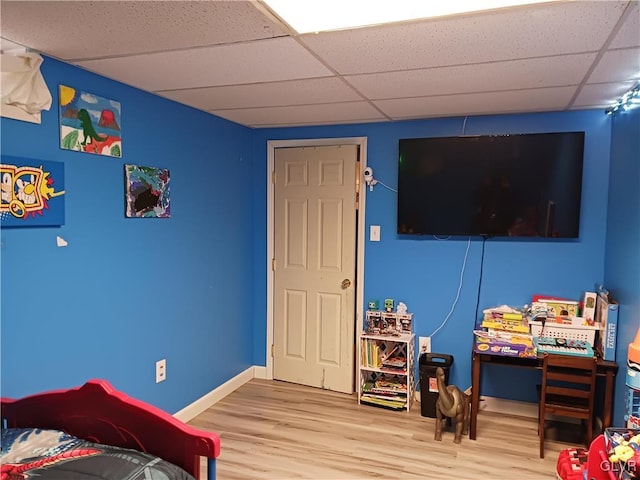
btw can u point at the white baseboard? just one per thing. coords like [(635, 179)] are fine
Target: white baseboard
[(261, 373), (499, 405), (196, 408), (487, 404), (509, 407)]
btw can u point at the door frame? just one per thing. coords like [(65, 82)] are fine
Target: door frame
[(360, 233)]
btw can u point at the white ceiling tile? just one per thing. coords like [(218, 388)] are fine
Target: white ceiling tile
[(293, 92), (532, 73), (350, 112), (629, 34), (617, 65), (243, 63), (252, 62), (550, 29), (7, 46), (535, 100), (601, 95), (81, 29)]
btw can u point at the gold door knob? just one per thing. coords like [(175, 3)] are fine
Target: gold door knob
[(346, 283)]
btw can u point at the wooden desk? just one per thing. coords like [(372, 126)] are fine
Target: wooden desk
[(606, 369)]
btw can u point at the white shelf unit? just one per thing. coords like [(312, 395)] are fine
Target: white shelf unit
[(375, 376)]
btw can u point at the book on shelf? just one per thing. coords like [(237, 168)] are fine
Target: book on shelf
[(395, 362), (378, 402), (385, 387), (371, 356), (393, 370)]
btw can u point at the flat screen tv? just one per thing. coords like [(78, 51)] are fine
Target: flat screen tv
[(524, 185)]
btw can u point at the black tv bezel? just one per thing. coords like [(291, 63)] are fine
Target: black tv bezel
[(548, 234)]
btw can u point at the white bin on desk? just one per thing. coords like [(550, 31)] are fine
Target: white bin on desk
[(552, 329)]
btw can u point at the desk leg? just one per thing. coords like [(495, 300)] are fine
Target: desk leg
[(475, 395), (608, 399)]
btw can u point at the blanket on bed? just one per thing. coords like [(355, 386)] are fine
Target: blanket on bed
[(54, 455)]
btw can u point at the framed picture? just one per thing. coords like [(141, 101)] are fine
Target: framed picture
[(147, 192), (89, 123), (32, 193)]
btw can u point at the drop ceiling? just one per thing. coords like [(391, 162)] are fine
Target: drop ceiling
[(237, 60)]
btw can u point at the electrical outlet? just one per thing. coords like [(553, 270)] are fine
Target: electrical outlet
[(161, 370), (425, 344)]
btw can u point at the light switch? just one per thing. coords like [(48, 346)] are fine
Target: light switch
[(374, 233)]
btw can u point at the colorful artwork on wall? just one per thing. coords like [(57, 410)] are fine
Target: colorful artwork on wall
[(89, 123), (147, 192), (32, 193)]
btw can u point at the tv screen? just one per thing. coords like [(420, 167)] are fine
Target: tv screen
[(524, 185)]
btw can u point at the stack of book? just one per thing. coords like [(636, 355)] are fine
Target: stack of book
[(394, 365), (385, 393), (505, 321), (505, 331)]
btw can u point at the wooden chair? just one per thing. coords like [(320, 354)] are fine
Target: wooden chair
[(567, 389)]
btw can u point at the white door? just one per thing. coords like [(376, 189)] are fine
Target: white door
[(315, 265)]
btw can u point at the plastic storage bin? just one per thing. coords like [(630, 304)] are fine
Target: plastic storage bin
[(586, 333), (429, 362)]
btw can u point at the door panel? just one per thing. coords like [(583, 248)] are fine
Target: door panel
[(315, 235)]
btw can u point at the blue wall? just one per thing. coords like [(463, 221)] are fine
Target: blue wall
[(424, 273), (127, 292), (192, 288), (622, 254)]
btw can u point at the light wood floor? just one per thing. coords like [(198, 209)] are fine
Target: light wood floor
[(276, 430)]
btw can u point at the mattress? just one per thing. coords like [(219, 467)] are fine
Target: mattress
[(54, 455)]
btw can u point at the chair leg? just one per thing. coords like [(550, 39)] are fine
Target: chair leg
[(541, 416)]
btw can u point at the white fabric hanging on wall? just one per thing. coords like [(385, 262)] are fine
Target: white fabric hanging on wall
[(24, 91)]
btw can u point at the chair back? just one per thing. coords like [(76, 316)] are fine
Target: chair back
[(567, 389), (567, 377)]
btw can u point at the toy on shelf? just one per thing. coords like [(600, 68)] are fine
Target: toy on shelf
[(388, 304), (385, 323), (401, 308)]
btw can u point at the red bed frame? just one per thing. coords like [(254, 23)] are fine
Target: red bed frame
[(99, 413)]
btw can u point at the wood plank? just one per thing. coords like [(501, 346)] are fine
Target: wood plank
[(277, 430)]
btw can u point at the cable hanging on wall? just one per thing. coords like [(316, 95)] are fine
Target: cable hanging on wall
[(455, 301)]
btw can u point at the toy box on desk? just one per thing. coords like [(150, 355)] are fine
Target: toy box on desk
[(573, 331), (508, 345), (607, 318), (589, 306), (558, 307)]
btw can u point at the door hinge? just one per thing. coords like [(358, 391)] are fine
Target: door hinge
[(273, 177), (273, 264), (273, 349)]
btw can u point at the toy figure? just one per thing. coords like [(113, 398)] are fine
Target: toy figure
[(453, 403), (388, 304)]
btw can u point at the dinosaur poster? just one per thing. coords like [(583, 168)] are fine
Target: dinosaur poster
[(147, 191), (89, 123), (32, 193)]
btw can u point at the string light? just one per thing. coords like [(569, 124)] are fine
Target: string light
[(629, 100)]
